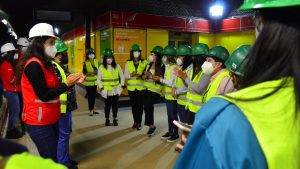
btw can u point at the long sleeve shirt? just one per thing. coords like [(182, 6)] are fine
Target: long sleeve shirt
[(36, 77), (116, 88)]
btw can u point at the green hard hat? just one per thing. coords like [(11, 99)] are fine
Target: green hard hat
[(258, 4), (60, 46), (135, 47), (200, 49), (108, 52), (169, 51), (219, 52), (90, 51), (157, 49), (184, 50), (237, 61)]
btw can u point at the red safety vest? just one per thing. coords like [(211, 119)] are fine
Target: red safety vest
[(35, 111)]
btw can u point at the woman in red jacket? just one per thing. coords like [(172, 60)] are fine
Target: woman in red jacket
[(41, 90), (11, 89)]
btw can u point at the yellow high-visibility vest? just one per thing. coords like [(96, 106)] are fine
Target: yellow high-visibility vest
[(194, 100), (108, 79), (274, 119), (63, 97), (133, 83), (151, 85), (213, 86), (91, 78), (168, 89)]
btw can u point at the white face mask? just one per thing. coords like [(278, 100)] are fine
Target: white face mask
[(16, 56), (109, 61), (151, 58), (24, 49), (164, 60), (51, 51), (207, 68), (91, 56), (179, 62), (136, 54)]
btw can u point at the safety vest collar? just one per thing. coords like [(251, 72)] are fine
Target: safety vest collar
[(273, 119)]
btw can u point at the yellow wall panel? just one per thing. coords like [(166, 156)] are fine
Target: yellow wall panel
[(124, 39), (156, 37), (195, 38), (93, 41), (208, 39), (79, 53), (97, 45), (233, 40)]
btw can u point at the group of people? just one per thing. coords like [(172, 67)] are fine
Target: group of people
[(186, 77), (243, 109)]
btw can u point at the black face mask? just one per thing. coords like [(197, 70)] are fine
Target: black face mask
[(64, 59)]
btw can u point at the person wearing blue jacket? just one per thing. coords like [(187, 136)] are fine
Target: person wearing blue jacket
[(258, 126)]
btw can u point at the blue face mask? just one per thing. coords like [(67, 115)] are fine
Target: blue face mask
[(64, 59)]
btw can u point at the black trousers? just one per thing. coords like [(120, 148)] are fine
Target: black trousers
[(91, 94), (191, 117), (149, 100), (111, 102), (136, 101)]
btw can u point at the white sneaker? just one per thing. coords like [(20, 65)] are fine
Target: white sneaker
[(91, 113)]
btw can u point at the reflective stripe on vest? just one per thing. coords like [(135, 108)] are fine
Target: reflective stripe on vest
[(181, 99), (63, 97), (212, 88), (133, 83), (91, 78), (194, 100), (274, 119), (152, 86), (168, 89), (109, 80)]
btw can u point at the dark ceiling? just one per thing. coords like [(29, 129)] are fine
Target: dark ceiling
[(22, 18)]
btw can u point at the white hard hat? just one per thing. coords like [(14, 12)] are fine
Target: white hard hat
[(41, 29), (7, 47), (23, 42)]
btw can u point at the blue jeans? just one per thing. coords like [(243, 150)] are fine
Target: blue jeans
[(172, 115), (65, 129), (45, 139), (183, 114), (14, 108)]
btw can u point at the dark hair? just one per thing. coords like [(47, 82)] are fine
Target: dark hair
[(9, 56), (132, 57), (158, 65), (171, 59), (276, 51), (219, 60), (36, 49), (197, 63), (113, 64), (186, 62)]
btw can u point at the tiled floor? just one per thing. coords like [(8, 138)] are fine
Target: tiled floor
[(96, 146)]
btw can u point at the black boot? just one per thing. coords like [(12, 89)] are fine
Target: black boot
[(115, 121), (107, 122)]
